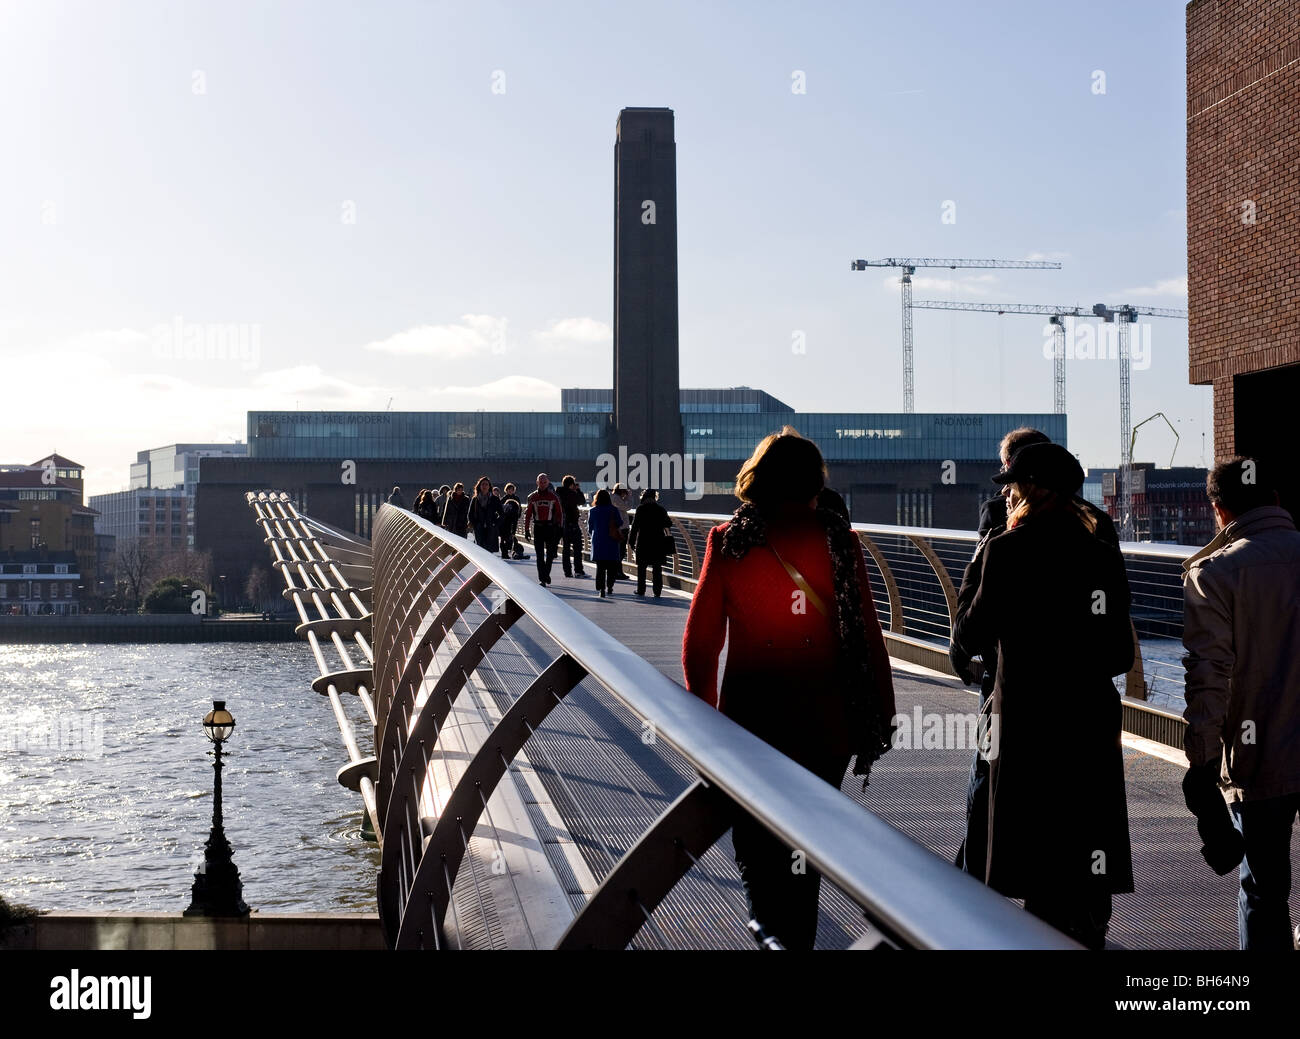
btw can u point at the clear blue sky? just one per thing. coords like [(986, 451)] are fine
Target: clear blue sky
[(201, 161)]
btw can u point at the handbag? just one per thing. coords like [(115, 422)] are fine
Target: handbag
[(616, 530), (858, 698)]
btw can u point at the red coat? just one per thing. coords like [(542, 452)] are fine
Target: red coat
[(781, 664)]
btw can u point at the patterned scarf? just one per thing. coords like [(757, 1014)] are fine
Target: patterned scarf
[(748, 529)]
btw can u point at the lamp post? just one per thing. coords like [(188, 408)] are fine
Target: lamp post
[(217, 889)]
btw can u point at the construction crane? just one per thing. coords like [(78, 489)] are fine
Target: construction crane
[(908, 266), (1152, 418), (1055, 315), (1123, 316)]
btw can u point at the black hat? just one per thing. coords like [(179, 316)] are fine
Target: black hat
[(1044, 465)]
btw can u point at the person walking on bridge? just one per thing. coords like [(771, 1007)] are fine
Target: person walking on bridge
[(440, 503), (455, 516), (621, 499), (605, 524), (807, 670), (651, 538), (981, 668), (571, 501), (1054, 600), (424, 505), (485, 515), (1241, 630), (395, 498), (544, 516), (510, 513)]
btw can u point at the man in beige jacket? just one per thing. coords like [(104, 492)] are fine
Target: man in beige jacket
[(1241, 630)]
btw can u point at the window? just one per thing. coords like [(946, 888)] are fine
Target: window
[(67, 589), (60, 568), (29, 568), (54, 589), (4, 590)]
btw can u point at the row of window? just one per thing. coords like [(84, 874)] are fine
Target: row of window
[(32, 589)]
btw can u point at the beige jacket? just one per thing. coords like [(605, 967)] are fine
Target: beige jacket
[(1241, 630)]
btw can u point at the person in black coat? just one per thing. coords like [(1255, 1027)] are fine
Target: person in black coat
[(455, 516), (980, 672), (510, 513), (395, 498), (651, 538), (1053, 598), (485, 515)]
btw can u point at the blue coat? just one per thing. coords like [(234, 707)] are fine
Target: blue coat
[(604, 549)]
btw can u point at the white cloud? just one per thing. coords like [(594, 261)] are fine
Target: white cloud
[(966, 284), (1166, 287), (577, 331), (476, 334), (510, 388)]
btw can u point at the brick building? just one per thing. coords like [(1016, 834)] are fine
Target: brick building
[(1243, 224), (42, 512), (1169, 505)]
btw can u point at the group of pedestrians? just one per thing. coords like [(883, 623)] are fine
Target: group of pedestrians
[(1042, 627), (552, 520), (492, 513)]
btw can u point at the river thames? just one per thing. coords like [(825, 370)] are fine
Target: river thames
[(106, 778)]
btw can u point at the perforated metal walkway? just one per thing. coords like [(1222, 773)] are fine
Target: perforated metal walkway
[(1179, 903)]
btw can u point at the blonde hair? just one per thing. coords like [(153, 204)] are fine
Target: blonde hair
[(1034, 499)]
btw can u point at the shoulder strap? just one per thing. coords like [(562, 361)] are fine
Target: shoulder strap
[(802, 584)]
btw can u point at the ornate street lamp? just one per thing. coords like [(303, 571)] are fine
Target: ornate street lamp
[(217, 889)]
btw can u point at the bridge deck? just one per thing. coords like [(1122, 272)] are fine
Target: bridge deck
[(1179, 903)]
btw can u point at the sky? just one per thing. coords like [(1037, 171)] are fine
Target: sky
[(409, 206)]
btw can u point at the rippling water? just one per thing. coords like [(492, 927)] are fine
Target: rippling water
[(121, 826)]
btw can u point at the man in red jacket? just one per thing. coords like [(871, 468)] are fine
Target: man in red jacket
[(544, 515)]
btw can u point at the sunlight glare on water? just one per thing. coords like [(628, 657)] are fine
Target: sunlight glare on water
[(106, 778)]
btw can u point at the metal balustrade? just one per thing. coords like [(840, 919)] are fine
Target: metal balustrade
[(444, 610), (450, 620), (915, 575), (327, 573)]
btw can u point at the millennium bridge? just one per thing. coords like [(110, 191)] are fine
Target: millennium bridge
[(538, 777)]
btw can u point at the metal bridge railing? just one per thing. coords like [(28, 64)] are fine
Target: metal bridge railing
[(444, 609), (327, 576), (915, 575)]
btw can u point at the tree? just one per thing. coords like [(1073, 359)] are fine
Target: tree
[(194, 567), (136, 563), (172, 595), (258, 589)]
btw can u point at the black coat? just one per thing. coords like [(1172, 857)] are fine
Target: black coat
[(1058, 818), (456, 515), (992, 522), (510, 513), (485, 517), (651, 534)]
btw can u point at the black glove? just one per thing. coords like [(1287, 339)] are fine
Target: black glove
[(1224, 845)]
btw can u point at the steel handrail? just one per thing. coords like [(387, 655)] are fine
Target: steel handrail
[(909, 894)]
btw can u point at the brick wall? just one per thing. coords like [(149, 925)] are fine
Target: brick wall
[(1243, 108)]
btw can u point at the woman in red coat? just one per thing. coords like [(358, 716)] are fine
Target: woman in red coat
[(807, 670)]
